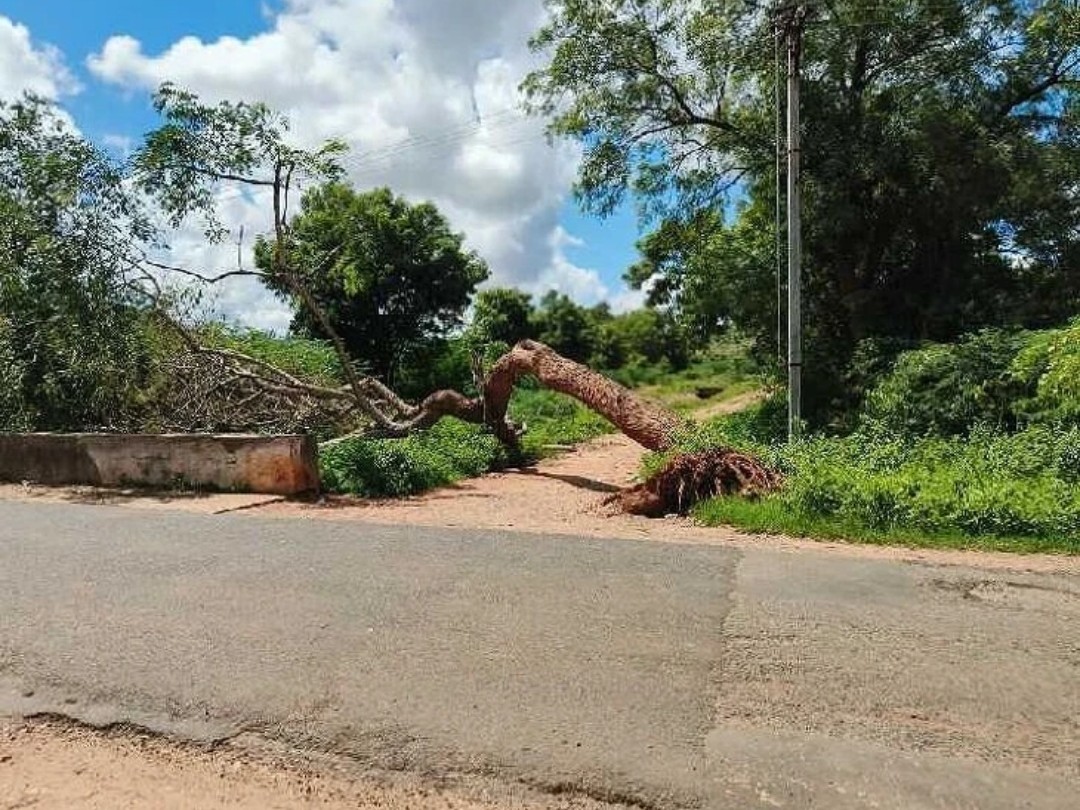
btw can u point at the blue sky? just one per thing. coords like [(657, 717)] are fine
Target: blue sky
[(529, 224), (79, 27)]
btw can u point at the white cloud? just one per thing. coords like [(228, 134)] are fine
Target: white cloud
[(123, 145), (424, 91), (581, 283), (29, 66), (627, 299)]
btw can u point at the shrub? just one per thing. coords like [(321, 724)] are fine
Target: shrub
[(1049, 369), (443, 363), (15, 413), (947, 389), (987, 485), (1004, 380), (449, 451)]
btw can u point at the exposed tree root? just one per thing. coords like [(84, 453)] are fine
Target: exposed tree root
[(692, 477)]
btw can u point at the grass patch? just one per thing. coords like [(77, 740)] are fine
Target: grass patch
[(554, 420), (773, 516), (1006, 491), (712, 379)]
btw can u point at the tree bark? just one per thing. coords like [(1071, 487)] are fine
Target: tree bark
[(651, 426)]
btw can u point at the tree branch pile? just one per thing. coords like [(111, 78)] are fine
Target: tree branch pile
[(208, 390)]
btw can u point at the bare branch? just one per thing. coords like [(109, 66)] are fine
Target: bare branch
[(183, 271)]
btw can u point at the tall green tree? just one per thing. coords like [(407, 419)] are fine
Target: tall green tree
[(502, 315), (387, 273), (73, 353), (643, 336), (565, 326), (940, 142)]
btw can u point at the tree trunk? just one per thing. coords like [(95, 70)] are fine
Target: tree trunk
[(651, 426)]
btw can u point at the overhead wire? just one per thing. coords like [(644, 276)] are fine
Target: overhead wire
[(380, 159)]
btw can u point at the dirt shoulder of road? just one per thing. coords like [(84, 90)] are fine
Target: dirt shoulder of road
[(49, 764)]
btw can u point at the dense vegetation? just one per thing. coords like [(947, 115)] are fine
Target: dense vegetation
[(970, 444), (1011, 491), (939, 153), (73, 349), (634, 347)]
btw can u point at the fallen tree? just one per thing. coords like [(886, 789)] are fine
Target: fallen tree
[(686, 479), (246, 385), (182, 165)]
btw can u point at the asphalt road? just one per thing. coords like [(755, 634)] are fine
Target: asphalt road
[(661, 674)]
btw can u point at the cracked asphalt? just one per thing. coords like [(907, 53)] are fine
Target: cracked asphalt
[(659, 674)]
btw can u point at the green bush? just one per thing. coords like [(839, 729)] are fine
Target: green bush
[(1004, 380), (636, 374), (449, 451), (990, 488), (976, 443), (948, 389), (15, 413), (1048, 367), (443, 363)]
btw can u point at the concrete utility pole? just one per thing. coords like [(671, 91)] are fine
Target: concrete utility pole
[(793, 35), (779, 39)]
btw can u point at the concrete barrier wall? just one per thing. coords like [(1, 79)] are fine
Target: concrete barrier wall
[(282, 465)]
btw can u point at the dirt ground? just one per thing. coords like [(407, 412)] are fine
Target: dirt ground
[(45, 764), (51, 765)]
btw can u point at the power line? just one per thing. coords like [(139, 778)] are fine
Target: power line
[(498, 121)]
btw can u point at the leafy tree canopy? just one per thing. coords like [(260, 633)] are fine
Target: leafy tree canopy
[(502, 315), (387, 273), (71, 348), (565, 326), (182, 163), (940, 149)]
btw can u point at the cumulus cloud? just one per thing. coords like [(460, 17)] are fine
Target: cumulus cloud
[(581, 283), (26, 66), (425, 93)]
